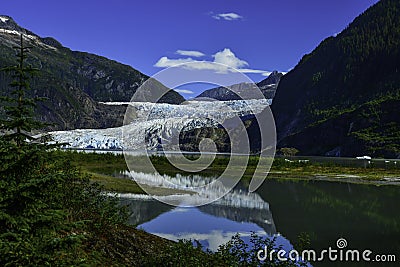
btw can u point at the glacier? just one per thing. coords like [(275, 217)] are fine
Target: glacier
[(155, 123)]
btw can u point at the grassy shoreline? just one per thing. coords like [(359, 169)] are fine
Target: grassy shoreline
[(105, 169)]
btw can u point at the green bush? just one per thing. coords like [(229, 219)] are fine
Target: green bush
[(235, 252), (49, 212)]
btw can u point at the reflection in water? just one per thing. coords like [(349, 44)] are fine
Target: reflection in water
[(260, 217), (367, 216), (144, 209), (213, 224), (200, 190), (211, 231)]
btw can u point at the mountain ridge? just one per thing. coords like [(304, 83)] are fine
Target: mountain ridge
[(335, 83), (241, 91), (74, 82)]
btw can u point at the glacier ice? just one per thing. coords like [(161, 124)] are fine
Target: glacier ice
[(156, 122)]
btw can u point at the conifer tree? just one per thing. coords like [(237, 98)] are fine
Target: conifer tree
[(19, 106)]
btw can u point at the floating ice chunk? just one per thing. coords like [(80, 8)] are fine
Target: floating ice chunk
[(364, 157)]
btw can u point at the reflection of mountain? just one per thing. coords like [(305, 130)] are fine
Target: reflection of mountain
[(237, 205), (261, 217), (144, 210)]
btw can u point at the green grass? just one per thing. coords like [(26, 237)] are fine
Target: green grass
[(114, 184), (105, 169)]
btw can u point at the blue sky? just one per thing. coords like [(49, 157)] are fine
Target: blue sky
[(256, 36)]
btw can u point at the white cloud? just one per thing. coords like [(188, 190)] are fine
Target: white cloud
[(165, 62), (262, 72), (183, 91), (225, 57), (190, 53), (227, 16)]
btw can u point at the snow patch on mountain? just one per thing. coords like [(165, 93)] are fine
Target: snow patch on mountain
[(4, 19)]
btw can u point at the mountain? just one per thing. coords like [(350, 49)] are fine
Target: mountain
[(73, 82), (343, 99), (241, 91), (269, 85)]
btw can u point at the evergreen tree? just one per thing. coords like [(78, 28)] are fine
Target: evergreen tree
[(19, 108), (50, 214)]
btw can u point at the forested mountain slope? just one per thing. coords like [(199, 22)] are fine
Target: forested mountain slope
[(343, 98)]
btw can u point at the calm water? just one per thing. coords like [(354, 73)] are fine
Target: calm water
[(367, 216)]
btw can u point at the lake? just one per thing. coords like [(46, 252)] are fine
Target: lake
[(367, 216)]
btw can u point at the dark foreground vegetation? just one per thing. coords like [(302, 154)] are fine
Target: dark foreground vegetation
[(50, 214)]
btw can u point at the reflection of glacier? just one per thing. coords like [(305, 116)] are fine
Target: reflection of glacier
[(200, 190), (238, 205), (155, 122)]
